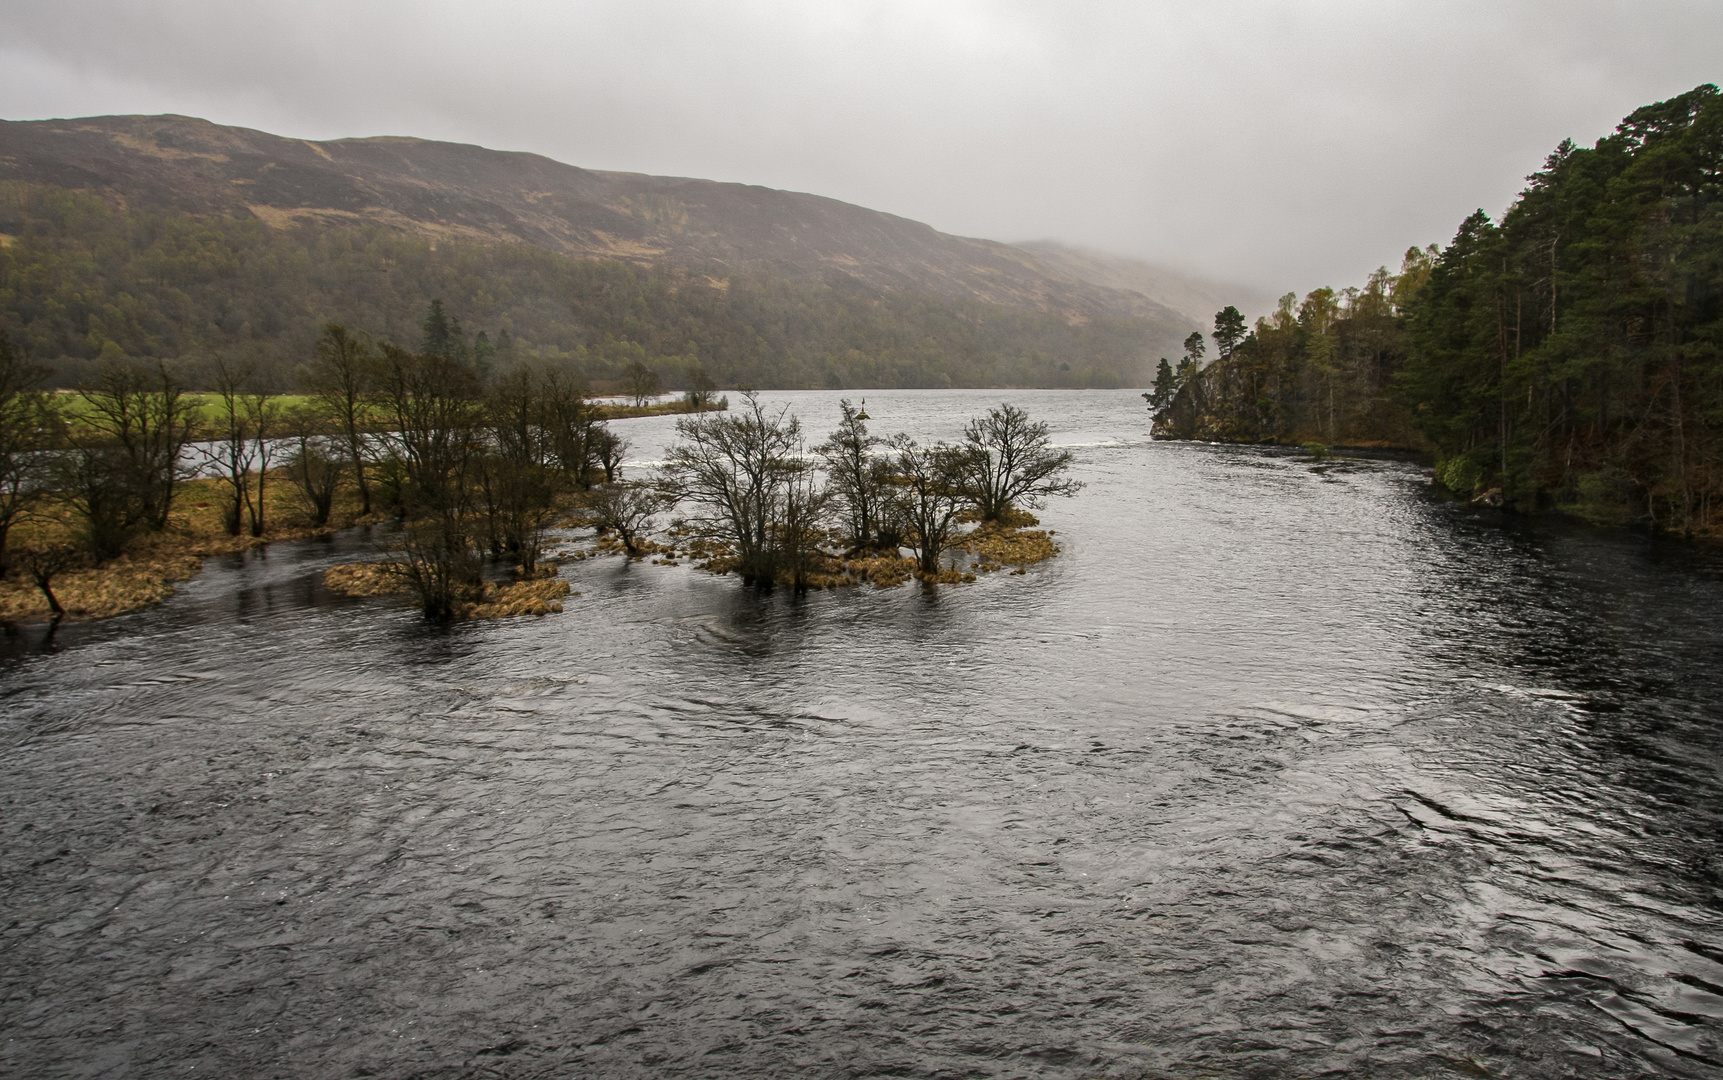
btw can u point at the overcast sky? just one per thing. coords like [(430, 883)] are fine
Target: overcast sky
[(1282, 144)]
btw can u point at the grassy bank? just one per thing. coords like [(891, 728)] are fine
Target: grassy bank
[(153, 563)]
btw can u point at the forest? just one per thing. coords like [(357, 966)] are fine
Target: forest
[(1565, 357), (85, 278)]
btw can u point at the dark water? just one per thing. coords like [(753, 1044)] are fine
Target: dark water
[(1280, 770)]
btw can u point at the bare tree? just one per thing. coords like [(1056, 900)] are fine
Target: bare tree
[(44, 562), (124, 466), (700, 390), (740, 472), (26, 426), (801, 514), (627, 510), (434, 415), (860, 479), (642, 382), (609, 448), (316, 462), (518, 471), (340, 375), (932, 491), (245, 423), (1007, 459), (572, 426)]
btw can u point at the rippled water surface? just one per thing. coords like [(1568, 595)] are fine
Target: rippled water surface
[(1281, 769)]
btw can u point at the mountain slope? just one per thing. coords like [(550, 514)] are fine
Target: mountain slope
[(460, 192), (1197, 299)]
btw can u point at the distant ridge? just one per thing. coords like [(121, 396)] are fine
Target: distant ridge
[(465, 192)]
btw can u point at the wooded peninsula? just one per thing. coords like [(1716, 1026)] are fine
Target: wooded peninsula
[(1566, 357)]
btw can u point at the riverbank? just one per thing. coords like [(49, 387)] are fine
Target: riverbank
[(154, 563), (668, 408)]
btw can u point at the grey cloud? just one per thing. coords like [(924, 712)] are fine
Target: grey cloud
[(1281, 144)]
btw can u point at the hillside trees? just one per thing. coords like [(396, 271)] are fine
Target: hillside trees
[(1316, 370), (1569, 355), (1566, 356), (86, 279)]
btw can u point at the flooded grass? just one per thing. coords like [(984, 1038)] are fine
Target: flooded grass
[(155, 562)]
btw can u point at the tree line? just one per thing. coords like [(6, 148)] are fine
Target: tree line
[(1566, 356), (477, 463), (84, 279), (473, 462)]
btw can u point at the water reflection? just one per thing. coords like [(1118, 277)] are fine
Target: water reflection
[(1282, 768)]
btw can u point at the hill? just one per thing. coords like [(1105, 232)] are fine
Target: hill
[(457, 192), (170, 237)]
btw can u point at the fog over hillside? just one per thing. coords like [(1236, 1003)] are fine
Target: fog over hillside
[(1194, 297)]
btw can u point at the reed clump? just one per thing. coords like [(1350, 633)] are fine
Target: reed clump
[(365, 579), (611, 544), (882, 571), (1008, 542), (540, 593), (536, 596)]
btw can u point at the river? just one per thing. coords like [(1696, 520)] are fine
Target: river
[(1282, 768)]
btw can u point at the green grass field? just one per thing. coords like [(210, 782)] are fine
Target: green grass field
[(206, 407)]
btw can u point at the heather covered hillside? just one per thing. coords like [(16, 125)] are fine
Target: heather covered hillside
[(163, 237)]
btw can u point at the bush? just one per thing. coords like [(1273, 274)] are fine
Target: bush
[(1460, 475)]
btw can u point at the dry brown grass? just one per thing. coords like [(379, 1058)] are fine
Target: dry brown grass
[(146, 573), (538, 596), (880, 571), (611, 544), (1011, 543), (366, 579), (948, 575), (997, 545), (132, 581)]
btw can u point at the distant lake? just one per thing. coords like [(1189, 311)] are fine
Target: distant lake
[(1282, 768)]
